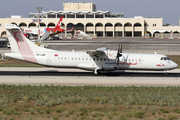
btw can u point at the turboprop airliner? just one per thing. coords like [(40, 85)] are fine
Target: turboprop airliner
[(99, 60)]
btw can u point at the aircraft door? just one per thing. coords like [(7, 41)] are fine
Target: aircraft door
[(48, 60)]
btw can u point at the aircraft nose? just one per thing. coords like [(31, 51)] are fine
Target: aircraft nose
[(175, 65)]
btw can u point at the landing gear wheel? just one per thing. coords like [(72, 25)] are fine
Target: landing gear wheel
[(167, 72), (96, 71)]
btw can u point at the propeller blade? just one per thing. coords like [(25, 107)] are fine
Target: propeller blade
[(119, 54), (121, 49)]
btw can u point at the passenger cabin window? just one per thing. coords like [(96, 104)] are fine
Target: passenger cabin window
[(93, 58), (104, 59), (97, 59)]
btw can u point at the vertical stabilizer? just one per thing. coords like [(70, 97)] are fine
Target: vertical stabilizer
[(58, 26), (9, 30), (20, 44)]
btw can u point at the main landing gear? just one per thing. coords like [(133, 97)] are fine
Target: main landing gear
[(96, 71)]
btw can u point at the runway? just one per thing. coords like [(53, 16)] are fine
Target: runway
[(76, 77)]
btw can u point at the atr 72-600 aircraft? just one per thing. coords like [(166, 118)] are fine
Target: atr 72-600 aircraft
[(99, 60)]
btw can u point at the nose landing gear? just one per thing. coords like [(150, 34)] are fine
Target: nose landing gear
[(167, 72)]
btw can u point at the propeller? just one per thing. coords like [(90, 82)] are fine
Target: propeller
[(119, 54)]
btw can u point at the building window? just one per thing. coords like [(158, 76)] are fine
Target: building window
[(0, 25)]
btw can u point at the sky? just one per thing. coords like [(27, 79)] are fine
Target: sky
[(166, 9)]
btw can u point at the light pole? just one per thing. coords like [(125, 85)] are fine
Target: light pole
[(39, 9)]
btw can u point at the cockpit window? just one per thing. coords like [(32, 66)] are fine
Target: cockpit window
[(165, 58)]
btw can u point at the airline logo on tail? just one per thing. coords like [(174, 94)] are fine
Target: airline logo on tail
[(58, 26), (57, 29), (23, 46)]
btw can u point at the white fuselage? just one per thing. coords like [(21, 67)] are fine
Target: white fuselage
[(34, 31), (83, 60)]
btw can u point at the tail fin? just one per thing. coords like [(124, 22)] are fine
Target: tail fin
[(19, 43), (58, 26)]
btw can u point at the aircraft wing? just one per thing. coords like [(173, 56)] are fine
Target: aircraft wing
[(96, 53)]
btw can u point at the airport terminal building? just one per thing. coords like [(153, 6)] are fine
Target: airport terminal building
[(85, 17)]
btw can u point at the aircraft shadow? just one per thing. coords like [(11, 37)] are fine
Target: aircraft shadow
[(109, 74)]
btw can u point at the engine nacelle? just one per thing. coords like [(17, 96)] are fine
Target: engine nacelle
[(108, 68)]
